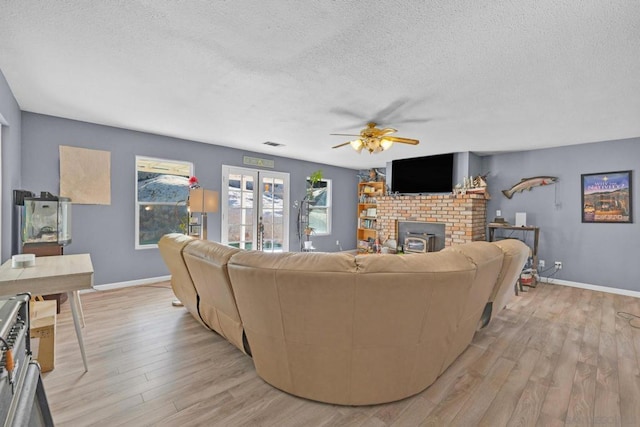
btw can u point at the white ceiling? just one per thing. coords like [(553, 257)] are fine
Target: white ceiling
[(457, 75)]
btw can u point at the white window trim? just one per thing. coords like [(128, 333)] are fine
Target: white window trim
[(138, 246), (328, 206)]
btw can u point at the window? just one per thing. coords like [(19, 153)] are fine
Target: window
[(320, 207), (162, 189)]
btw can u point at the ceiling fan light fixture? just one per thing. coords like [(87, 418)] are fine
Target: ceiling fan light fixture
[(386, 144), (374, 140), (357, 145)]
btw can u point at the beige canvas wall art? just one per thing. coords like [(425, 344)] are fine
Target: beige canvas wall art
[(85, 175)]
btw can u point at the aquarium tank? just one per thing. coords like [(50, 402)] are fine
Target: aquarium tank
[(46, 219)]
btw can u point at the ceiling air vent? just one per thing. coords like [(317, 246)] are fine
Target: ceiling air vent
[(273, 144)]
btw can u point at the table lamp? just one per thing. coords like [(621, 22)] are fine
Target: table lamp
[(203, 201)]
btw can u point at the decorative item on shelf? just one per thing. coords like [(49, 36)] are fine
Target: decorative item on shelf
[(472, 185), (371, 175)]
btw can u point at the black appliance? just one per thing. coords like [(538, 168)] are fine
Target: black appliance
[(23, 401)]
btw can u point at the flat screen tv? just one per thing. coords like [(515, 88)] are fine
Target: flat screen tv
[(430, 174)]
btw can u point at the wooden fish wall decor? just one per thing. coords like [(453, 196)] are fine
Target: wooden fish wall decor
[(528, 184)]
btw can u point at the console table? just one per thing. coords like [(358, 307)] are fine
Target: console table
[(50, 275), (534, 249)]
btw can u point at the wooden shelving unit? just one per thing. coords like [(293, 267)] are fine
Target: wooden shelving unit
[(367, 213)]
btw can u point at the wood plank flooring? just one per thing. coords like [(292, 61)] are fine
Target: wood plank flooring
[(557, 356)]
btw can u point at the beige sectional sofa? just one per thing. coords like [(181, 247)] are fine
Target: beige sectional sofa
[(344, 328)]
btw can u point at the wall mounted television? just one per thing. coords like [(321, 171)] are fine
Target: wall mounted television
[(429, 174)]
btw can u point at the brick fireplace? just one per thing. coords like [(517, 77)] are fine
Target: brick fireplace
[(464, 216)]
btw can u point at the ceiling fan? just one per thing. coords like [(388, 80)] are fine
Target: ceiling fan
[(375, 140)]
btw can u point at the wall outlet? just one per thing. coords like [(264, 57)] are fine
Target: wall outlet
[(559, 265), (541, 263), (337, 242)]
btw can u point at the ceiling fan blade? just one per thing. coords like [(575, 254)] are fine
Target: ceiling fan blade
[(387, 131), (415, 120), (402, 140), (341, 145), (383, 115), (347, 113), (344, 134)]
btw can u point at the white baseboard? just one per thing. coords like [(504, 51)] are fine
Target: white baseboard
[(598, 288), (552, 281), (118, 285)]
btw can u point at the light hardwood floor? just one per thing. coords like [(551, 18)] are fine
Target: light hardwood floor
[(557, 356)]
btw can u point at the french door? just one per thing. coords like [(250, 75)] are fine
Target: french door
[(255, 215)]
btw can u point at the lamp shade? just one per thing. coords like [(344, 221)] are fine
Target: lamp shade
[(201, 200)]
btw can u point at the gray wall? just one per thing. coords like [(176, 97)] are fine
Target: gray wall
[(11, 118), (107, 232), (597, 254), (466, 164)]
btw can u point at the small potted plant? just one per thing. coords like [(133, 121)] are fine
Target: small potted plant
[(314, 178)]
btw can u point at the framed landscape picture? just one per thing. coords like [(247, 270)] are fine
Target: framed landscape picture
[(606, 197)]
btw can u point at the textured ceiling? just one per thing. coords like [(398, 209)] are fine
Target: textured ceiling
[(457, 75)]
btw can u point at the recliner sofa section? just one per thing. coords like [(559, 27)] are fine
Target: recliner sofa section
[(200, 279), (349, 329), (171, 247)]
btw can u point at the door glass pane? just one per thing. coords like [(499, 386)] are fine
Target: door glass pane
[(235, 216), (249, 216), (278, 188), (268, 230), (234, 233), (273, 213), (247, 199), (235, 198), (247, 183), (267, 193)]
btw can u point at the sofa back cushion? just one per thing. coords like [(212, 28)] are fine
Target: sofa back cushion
[(292, 304), (408, 315), (351, 330), (488, 261), (171, 248), (207, 263)]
